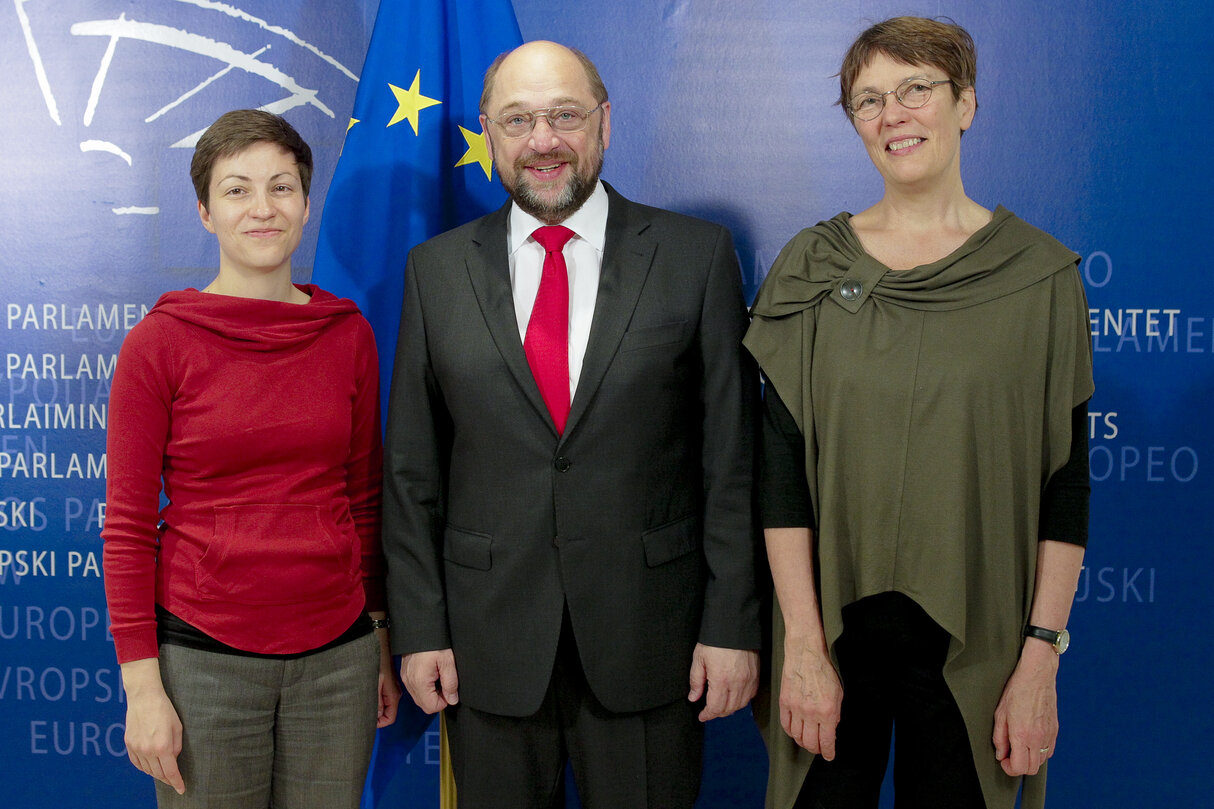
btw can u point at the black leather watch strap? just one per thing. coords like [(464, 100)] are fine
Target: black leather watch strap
[(1059, 639)]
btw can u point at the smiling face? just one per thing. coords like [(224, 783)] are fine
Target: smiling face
[(257, 210), (548, 174), (913, 147)]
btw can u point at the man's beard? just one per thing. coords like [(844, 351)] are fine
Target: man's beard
[(575, 193)]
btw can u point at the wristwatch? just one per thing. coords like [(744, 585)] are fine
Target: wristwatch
[(381, 623), (1059, 639)]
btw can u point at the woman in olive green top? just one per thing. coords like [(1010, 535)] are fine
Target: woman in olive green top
[(925, 480)]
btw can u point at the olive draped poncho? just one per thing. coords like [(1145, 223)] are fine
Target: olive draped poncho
[(935, 404)]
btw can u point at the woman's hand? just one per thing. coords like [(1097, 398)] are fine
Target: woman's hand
[(389, 684), (811, 698), (389, 697), (153, 729), (1026, 720)]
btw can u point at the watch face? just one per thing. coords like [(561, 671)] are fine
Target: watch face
[(1063, 641)]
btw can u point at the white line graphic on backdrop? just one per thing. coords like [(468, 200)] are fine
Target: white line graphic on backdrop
[(232, 11), (36, 58), (160, 34), (104, 146), (99, 80), (203, 46), (196, 89)]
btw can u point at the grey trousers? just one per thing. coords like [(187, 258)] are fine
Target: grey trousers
[(282, 734)]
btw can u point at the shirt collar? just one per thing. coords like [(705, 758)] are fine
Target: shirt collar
[(589, 222)]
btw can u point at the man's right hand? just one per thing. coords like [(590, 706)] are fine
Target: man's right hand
[(430, 679)]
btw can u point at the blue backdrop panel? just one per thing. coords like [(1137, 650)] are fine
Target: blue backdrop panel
[(1091, 125)]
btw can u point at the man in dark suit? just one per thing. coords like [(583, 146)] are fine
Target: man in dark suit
[(569, 459)]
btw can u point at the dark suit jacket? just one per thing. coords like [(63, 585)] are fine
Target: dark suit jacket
[(639, 517)]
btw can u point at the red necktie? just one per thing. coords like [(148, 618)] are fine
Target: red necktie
[(547, 342)]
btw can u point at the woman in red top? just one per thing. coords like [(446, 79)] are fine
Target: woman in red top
[(247, 604)]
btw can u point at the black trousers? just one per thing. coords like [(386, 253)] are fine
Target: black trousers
[(620, 761), (891, 656)]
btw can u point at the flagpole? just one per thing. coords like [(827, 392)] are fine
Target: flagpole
[(446, 777)]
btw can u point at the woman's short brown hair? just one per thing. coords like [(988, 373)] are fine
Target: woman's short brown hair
[(236, 131), (915, 41)]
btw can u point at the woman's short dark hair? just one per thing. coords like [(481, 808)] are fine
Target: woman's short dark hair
[(914, 41), (236, 131)]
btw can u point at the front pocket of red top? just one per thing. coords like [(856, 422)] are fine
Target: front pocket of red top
[(276, 554)]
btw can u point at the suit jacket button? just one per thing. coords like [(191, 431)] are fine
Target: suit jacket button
[(563, 464), (556, 542)]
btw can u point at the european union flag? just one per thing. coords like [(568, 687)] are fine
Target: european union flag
[(414, 164)]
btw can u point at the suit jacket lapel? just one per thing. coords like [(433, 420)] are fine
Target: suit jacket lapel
[(627, 257), (488, 262)]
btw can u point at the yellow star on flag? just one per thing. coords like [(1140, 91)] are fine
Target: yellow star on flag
[(349, 126), (478, 152), (410, 103)]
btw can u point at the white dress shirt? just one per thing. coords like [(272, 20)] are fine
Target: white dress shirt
[(584, 258)]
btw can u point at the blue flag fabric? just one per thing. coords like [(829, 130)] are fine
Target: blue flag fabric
[(413, 165)]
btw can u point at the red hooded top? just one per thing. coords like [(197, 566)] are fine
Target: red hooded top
[(262, 420)]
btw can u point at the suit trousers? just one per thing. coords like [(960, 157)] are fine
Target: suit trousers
[(891, 657), (650, 758), (294, 733)]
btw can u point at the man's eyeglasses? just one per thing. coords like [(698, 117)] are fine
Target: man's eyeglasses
[(912, 94), (561, 119)]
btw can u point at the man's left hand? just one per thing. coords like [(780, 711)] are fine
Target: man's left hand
[(730, 677)]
